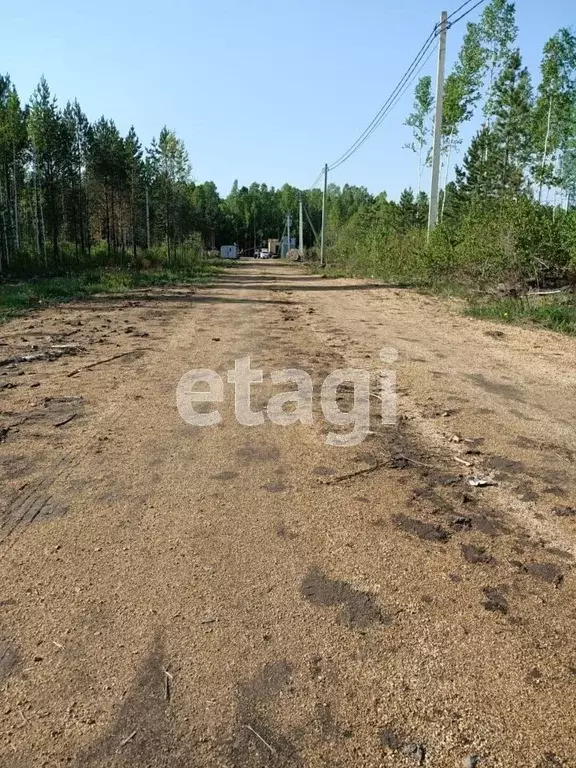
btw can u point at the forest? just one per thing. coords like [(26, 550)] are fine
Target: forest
[(77, 195)]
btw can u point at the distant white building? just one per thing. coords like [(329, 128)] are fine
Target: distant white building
[(229, 252)]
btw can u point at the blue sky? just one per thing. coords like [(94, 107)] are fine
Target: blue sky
[(259, 90)]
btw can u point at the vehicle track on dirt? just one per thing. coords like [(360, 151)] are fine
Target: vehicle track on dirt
[(231, 596)]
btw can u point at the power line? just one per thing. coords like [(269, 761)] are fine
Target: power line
[(460, 7), (316, 180), (404, 83), (418, 63), (463, 15), (369, 130), (389, 105)]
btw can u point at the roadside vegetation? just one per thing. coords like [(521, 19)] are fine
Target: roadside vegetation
[(78, 199), (507, 223), (558, 314), (18, 297)]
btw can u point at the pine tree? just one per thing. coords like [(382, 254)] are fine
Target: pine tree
[(133, 150), (47, 137), (13, 142), (479, 178), (513, 138)]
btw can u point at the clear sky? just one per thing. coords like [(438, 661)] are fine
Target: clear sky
[(259, 90)]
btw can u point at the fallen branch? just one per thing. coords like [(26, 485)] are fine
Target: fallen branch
[(107, 360), (357, 473), (128, 738), (416, 463), (270, 747), (56, 351), (549, 292), (66, 420), (167, 680)]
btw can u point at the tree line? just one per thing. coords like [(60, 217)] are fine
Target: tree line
[(526, 143), (75, 194)]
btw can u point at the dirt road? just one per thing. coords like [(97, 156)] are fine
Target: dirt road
[(180, 596)]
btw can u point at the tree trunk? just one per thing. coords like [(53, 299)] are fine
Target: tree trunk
[(545, 152), (147, 220), (451, 139), (113, 219), (16, 221), (36, 217), (133, 205), (41, 220), (107, 220)]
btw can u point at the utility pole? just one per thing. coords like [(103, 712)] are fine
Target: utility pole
[(288, 222), (300, 229), (433, 210), (323, 231)]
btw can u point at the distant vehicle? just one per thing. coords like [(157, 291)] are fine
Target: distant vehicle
[(265, 253), (229, 252)]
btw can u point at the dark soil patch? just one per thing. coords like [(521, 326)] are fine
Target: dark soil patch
[(425, 531), (475, 555), (285, 533), (275, 487), (9, 660), (258, 452), (495, 600), (548, 572), (358, 609), (397, 742), (226, 475), (504, 465), (323, 471), (560, 553), (496, 388)]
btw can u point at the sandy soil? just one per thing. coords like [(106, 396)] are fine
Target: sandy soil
[(181, 596)]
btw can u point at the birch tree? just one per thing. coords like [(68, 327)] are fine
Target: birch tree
[(420, 122), (554, 108)]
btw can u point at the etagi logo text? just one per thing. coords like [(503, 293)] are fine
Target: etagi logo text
[(296, 405)]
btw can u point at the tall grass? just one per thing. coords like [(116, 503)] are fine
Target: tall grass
[(18, 297)]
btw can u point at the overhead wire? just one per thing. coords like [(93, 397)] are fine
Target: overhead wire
[(316, 180), (460, 7), (418, 63), (463, 15), (378, 117), (389, 106)]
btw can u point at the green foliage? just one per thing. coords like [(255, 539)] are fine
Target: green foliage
[(555, 112), (17, 298), (556, 314), (419, 121), (498, 33)]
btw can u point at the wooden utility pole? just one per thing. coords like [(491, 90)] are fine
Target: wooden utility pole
[(433, 210), (323, 231)]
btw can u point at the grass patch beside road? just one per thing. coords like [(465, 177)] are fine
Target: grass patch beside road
[(556, 313), (17, 298)]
